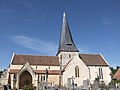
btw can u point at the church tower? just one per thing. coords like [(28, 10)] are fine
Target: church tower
[(67, 49)]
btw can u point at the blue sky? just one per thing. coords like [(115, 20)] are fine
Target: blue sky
[(33, 27)]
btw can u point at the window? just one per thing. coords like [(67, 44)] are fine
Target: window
[(36, 67), (76, 71), (49, 67), (100, 73), (14, 77), (60, 56), (69, 56), (43, 78)]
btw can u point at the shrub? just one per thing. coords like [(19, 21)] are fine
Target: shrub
[(28, 87)]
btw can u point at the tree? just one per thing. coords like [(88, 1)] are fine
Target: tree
[(1, 73)]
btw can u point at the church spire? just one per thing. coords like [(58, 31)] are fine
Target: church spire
[(66, 43)]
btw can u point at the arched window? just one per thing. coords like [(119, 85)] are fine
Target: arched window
[(100, 73), (76, 71)]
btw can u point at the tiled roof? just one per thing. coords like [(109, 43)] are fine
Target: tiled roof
[(56, 72), (117, 74), (14, 71), (93, 60), (51, 72), (35, 60)]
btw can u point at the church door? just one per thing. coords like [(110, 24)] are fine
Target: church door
[(25, 79)]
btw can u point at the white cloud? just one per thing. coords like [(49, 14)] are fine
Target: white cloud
[(107, 21), (42, 46), (45, 47)]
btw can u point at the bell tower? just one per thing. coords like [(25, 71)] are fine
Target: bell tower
[(67, 49)]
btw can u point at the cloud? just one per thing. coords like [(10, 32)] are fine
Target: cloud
[(107, 21), (45, 47)]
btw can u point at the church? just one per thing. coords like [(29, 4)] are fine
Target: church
[(61, 70)]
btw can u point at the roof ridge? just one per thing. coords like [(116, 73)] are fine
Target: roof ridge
[(89, 54), (35, 55)]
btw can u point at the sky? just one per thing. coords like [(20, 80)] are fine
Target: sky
[(34, 26)]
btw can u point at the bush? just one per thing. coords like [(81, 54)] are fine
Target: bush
[(28, 87), (102, 85), (116, 81)]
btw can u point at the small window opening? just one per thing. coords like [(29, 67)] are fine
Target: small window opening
[(69, 44), (69, 56)]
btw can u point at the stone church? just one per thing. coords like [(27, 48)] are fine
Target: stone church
[(61, 70)]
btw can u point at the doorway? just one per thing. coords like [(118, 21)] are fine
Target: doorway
[(25, 79)]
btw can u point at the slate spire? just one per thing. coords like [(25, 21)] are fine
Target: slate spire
[(66, 43)]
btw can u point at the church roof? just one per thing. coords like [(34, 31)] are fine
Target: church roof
[(117, 75), (93, 60), (35, 60), (66, 43), (51, 72)]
